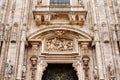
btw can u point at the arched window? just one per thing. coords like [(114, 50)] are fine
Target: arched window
[(59, 2)]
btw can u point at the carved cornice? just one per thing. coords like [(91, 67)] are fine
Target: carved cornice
[(86, 37)]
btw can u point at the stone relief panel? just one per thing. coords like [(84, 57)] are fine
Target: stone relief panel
[(59, 44)]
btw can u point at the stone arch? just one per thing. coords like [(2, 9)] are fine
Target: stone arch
[(75, 30)]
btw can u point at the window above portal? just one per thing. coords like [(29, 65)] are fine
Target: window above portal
[(59, 2)]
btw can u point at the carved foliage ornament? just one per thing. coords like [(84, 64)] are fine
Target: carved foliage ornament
[(59, 44)]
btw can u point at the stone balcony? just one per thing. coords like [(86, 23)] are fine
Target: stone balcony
[(43, 14)]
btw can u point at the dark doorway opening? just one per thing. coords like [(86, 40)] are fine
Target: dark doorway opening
[(59, 72)]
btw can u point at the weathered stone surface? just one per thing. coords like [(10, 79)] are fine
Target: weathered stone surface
[(84, 33)]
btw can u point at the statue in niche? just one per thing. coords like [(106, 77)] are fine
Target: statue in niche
[(111, 71), (95, 73), (9, 69), (59, 44)]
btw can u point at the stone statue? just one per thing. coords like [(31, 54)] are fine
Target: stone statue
[(95, 73), (9, 69), (111, 71), (23, 71)]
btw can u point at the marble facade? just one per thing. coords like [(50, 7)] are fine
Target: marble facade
[(85, 33)]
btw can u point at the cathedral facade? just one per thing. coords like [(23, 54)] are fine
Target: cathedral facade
[(60, 40)]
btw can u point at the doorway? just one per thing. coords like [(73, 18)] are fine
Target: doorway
[(59, 72)]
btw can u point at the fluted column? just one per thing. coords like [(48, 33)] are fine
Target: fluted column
[(98, 53), (21, 55)]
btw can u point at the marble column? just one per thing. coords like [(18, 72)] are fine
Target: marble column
[(41, 67)]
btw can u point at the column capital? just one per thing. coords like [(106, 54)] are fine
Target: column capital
[(84, 44), (34, 42), (76, 65)]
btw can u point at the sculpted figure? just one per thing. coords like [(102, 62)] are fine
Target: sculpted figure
[(23, 71), (111, 71), (95, 73), (9, 69), (59, 44)]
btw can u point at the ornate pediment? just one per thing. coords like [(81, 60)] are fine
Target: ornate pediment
[(59, 40), (58, 31)]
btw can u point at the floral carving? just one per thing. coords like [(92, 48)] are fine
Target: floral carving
[(59, 44)]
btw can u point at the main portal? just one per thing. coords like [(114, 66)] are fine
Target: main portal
[(59, 72)]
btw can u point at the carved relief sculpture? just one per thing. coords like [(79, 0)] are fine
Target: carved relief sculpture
[(111, 71), (38, 20), (95, 72), (9, 70), (86, 60), (81, 20), (23, 72), (59, 44), (47, 19), (33, 60), (72, 19)]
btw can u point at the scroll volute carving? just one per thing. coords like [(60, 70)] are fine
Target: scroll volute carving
[(81, 20), (34, 60), (46, 19), (42, 19), (72, 19), (38, 20)]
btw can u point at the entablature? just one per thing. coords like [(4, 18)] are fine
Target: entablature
[(74, 15)]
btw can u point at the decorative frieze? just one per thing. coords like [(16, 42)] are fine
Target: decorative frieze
[(95, 72)]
